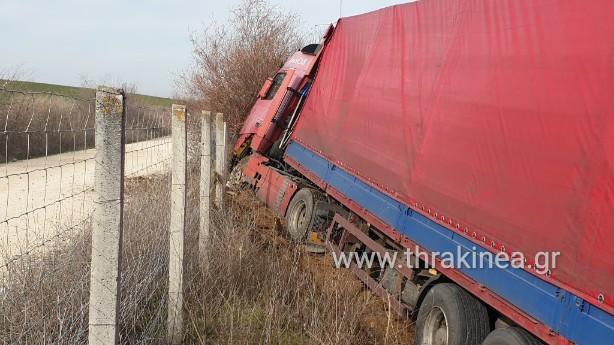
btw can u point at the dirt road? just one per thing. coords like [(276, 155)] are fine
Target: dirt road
[(45, 199)]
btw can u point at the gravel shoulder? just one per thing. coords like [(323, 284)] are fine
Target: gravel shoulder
[(47, 198)]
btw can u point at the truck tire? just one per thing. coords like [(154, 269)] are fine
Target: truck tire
[(449, 315), (510, 336), (235, 179), (275, 152), (299, 214)]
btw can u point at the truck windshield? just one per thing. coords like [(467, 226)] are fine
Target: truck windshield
[(277, 80)]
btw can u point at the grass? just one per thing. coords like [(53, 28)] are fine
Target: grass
[(44, 298), (260, 288), (81, 92), (256, 287), (52, 119)]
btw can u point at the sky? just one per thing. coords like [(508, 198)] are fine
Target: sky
[(134, 41)]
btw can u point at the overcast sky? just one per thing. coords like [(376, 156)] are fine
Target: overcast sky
[(134, 41)]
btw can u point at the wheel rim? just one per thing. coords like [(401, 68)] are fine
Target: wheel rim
[(436, 328), (299, 218)]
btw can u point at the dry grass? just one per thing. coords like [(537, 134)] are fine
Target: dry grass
[(257, 288), (260, 289), (40, 124), (45, 299), (35, 125)]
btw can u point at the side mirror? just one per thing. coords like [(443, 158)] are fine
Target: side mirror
[(265, 88)]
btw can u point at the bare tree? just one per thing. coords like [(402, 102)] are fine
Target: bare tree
[(107, 80), (232, 59)]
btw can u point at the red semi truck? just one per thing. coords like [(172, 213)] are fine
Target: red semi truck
[(456, 129)]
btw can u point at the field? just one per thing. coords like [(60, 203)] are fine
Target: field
[(81, 92), (43, 119)]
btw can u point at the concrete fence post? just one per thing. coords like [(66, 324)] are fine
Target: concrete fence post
[(205, 185), (220, 159), (177, 226), (107, 219)]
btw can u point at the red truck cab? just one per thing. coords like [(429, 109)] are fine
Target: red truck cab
[(279, 98)]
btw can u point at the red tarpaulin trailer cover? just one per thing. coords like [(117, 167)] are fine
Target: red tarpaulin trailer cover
[(495, 114)]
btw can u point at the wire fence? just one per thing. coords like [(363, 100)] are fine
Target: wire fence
[(47, 168), (47, 179), (148, 141), (46, 144)]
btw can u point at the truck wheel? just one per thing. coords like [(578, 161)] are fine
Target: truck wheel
[(449, 315), (298, 215), (510, 336), (275, 152), (235, 180)]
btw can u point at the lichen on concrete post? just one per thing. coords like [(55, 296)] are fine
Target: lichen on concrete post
[(220, 159), (177, 226), (205, 185), (107, 218)]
